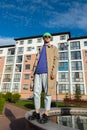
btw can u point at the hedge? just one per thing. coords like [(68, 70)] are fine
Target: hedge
[(2, 103)]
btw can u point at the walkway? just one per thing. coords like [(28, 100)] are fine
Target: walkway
[(13, 118)]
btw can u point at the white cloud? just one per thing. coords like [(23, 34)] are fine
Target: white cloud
[(6, 41), (49, 14), (73, 16)]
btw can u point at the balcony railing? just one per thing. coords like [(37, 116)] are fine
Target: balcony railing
[(6, 80), (16, 79), (8, 70)]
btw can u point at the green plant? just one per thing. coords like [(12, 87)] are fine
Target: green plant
[(12, 97), (67, 97), (8, 96), (26, 104), (77, 95), (15, 97), (2, 103)]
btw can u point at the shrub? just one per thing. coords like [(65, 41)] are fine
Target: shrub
[(77, 95), (12, 97), (15, 97), (8, 96), (66, 97), (2, 103)]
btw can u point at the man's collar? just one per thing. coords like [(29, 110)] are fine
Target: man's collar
[(49, 45)]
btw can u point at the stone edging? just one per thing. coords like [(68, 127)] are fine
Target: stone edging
[(51, 125), (68, 111)]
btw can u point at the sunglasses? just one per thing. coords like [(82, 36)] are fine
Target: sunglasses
[(47, 37)]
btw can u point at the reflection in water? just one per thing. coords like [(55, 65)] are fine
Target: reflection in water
[(79, 122)]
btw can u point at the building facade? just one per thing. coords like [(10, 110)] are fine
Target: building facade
[(16, 62)]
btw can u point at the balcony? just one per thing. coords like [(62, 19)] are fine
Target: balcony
[(16, 79), (8, 70), (11, 51), (7, 80)]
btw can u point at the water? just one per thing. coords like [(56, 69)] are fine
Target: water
[(74, 121)]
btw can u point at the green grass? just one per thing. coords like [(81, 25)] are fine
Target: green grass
[(25, 104), (60, 104), (29, 105)]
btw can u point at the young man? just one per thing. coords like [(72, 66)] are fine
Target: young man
[(45, 70)]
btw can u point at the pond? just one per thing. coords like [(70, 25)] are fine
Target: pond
[(73, 121)]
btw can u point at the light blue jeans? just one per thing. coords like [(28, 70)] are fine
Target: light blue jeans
[(40, 81)]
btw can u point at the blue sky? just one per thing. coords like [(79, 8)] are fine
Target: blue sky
[(23, 18)]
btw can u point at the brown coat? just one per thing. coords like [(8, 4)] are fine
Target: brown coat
[(52, 64)]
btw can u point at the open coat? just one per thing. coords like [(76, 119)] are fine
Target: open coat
[(52, 64)]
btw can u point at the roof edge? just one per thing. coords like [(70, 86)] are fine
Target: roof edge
[(54, 34), (76, 38), (7, 46)]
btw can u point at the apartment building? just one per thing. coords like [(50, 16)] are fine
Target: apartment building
[(16, 62)]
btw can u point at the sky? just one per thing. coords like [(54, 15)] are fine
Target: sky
[(26, 18)]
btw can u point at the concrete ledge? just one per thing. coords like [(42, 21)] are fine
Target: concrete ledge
[(34, 125), (68, 111)]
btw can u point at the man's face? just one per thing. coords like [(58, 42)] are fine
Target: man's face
[(47, 39)]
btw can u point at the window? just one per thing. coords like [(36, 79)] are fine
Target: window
[(75, 45), (66, 120), (63, 46), (75, 55), (25, 86), (85, 43), (26, 76), (29, 41), (28, 57), (86, 64), (20, 50), (63, 37), (8, 68), (63, 77), (63, 55), (18, 68), (17, 77), (7, 78), (10, 60), (80, 88), (16, 87), (39, 40), (76, 65), (27, 66), (6, 87), (19, 59), (1, 51), (16, 42), (63, 88), (30, 48), (63, 66), (85, 53), (77, 76), (11, 51), (21, 42)]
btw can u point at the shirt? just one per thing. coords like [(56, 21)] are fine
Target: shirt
[(42, 62)]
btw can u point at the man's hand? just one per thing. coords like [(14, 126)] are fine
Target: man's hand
[(32, 75), (52, 76)]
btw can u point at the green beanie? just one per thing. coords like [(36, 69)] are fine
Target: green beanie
[(47, 34)]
